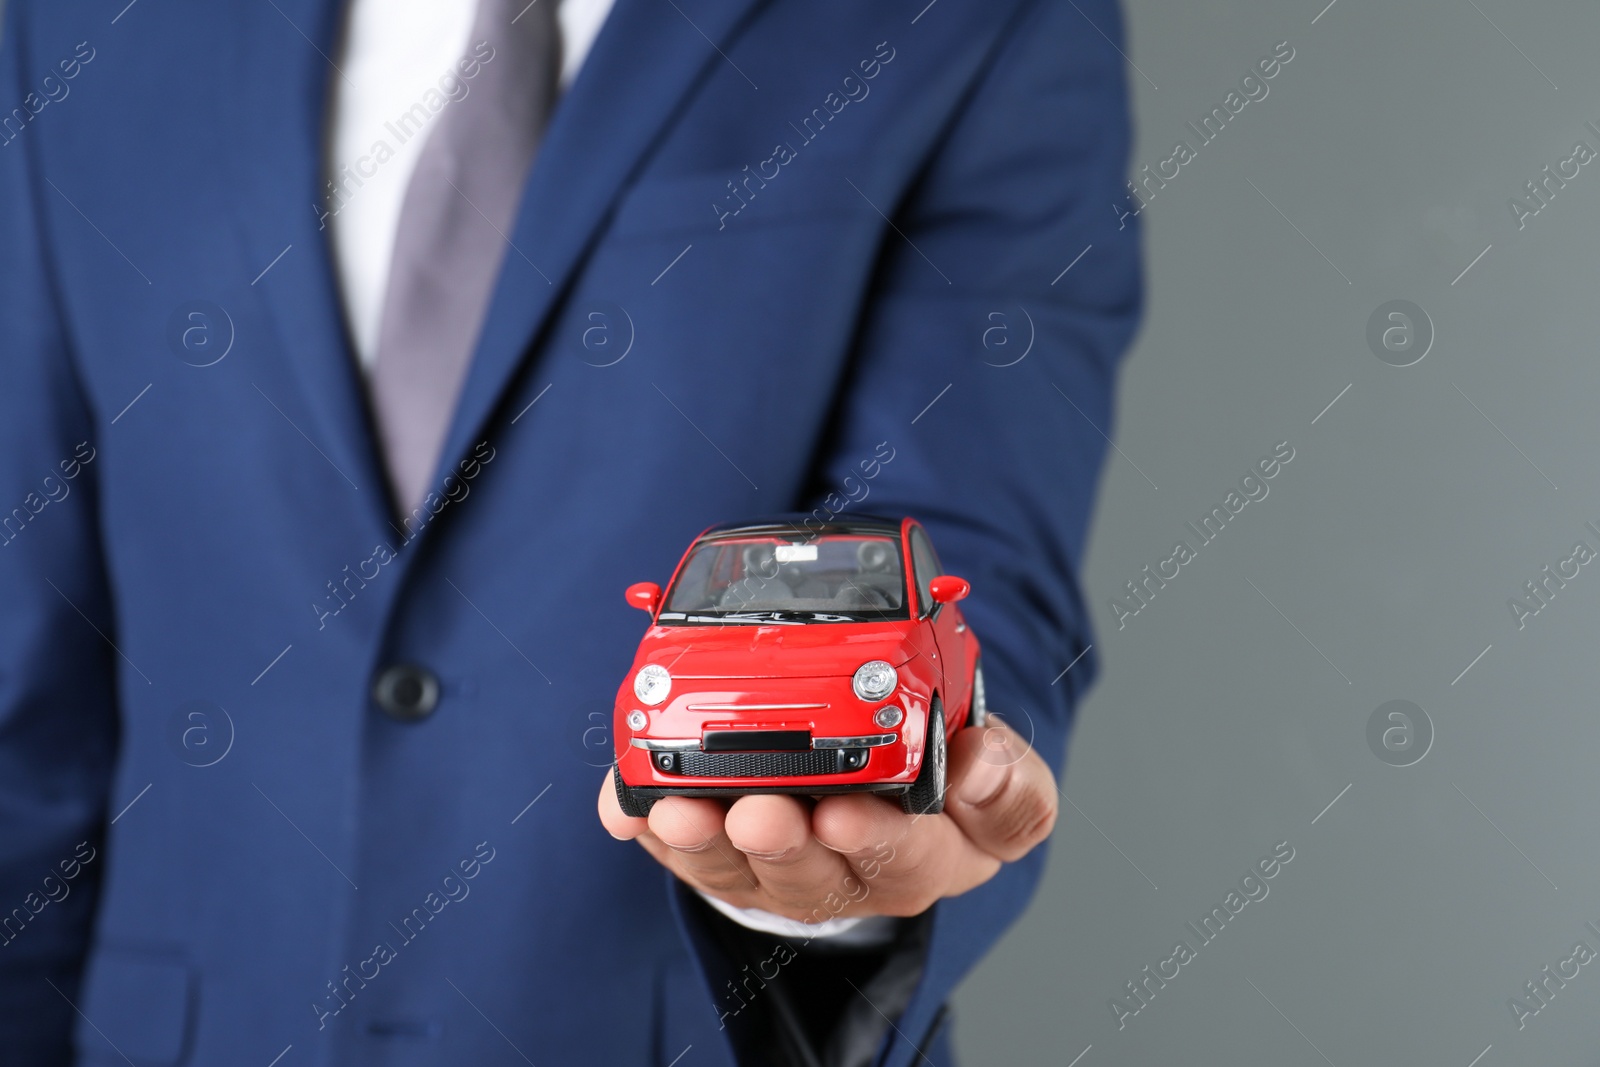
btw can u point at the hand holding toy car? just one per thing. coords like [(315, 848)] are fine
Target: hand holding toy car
[(785, 663)]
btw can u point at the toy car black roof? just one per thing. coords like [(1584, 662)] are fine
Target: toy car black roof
[(797, 525)]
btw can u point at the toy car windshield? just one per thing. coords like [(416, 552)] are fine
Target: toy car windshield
[(768, 581)]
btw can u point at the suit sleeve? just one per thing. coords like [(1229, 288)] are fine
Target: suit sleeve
[(57, 722), (985, 368)]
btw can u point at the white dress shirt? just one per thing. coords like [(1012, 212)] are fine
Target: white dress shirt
[(395, 55)]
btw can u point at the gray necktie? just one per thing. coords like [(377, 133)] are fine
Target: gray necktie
[(454, 221)]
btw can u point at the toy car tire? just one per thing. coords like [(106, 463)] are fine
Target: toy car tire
[(632, 803), (926, 795), (978, 705)]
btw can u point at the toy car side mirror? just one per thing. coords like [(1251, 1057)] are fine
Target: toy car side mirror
[(644, 596), (948, 588)]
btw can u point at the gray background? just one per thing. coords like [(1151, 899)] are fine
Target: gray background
[(1421, 901)]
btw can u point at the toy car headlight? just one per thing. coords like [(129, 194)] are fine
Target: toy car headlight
[(874, 680), (652, 684)]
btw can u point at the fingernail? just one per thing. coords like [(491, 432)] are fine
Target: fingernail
[(982, 782)]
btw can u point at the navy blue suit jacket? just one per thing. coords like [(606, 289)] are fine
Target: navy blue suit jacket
[(766, 243)]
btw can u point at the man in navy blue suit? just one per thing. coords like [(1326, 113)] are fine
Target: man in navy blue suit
[(354, 356)]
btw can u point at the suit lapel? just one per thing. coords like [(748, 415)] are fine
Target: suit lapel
[(645, 61), (282, 55), (647, 58)]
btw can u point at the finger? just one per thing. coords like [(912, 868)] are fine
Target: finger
[(1002, 794), (904, 862), (692, 841), (617, 824), (797, 873)]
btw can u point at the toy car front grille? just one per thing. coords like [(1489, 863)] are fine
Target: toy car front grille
[(761, 764)]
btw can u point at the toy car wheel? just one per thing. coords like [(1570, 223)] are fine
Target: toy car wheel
[(632, 804), (978, 708), (926, 795)]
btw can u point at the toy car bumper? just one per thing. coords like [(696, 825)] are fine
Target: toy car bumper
[(767, 761)]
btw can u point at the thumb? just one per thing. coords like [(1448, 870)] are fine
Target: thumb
[(1003, 794)]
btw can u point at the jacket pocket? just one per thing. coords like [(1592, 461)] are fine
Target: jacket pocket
[(141, 1003)]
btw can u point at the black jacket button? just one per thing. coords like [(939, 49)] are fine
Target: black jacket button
[(406, 691)]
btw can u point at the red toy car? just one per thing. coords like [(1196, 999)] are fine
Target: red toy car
[(787, 659)]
